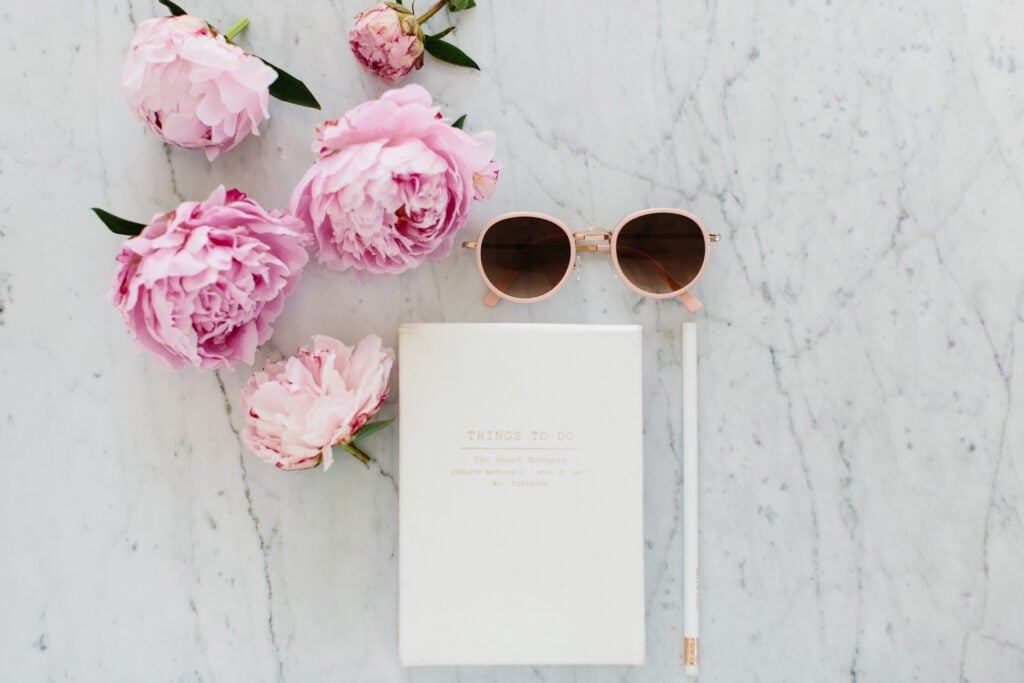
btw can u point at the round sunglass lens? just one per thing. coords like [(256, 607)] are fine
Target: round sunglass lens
[(660, 253), (525, 257)]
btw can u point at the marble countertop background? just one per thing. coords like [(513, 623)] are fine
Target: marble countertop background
[(862, 469)]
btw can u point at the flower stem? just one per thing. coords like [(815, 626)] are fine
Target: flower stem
[(352, 449), (236, 29), (431, 12)]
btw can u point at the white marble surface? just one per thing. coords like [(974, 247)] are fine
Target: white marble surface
[(863, 405)]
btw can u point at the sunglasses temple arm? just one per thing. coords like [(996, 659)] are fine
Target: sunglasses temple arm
[(691, 302), (492, 299)]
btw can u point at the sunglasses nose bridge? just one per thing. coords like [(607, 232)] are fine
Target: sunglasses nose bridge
[(592, 239)]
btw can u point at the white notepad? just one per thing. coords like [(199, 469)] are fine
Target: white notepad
[(521, 494)]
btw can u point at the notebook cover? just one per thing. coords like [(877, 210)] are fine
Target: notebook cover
[(521, 494)]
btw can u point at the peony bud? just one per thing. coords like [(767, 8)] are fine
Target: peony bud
[(387, 41)]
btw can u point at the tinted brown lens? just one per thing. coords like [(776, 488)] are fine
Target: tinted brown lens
[(525, 257), (660, 252)]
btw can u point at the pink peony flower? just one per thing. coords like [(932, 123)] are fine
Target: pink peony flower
[(485, 182), (387, 42), (202, 284), (192, 88), (297, 409), (393, 183)]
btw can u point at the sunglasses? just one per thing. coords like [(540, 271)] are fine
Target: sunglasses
[(659, 253)]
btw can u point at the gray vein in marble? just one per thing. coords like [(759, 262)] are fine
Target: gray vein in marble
[(780, 386), (263, 543), (171, 174)]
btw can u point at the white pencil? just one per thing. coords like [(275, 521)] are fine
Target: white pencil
[(690, 565)]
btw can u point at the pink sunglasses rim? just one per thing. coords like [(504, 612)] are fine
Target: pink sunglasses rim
[(572, 256), (525, 214), (645, 212)]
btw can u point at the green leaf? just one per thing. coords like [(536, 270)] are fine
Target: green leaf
[(447, 52), (443, 33), (459, 122), (372, 428), (119, 225), (459, 5), (398, 7), (175, 10), (287, 88)]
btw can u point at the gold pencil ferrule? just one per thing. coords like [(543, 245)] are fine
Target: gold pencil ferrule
[(690, 651)]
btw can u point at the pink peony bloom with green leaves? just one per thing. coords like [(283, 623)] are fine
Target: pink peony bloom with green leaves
[(192, 87), (202, 284), (393, 184), (298, 409)]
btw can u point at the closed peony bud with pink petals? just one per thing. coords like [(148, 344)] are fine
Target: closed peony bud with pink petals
[(192, 87), (201, 285), (393, 184), (387, 41), (298, 409)]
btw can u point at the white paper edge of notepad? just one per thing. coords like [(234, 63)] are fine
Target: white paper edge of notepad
[(635, 658)]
